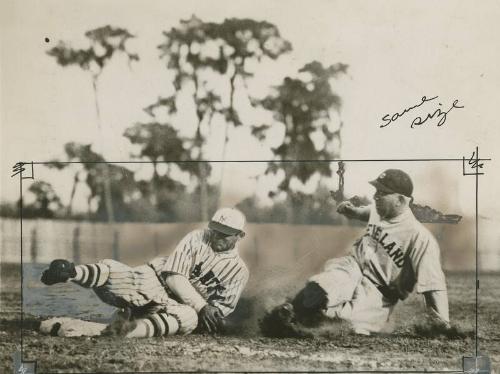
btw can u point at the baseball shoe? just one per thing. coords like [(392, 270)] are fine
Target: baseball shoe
[(122, 324), (70, 327), (281, 322), (59, 271), (309, 305)]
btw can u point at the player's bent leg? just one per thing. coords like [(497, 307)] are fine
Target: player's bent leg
[(323, 296), (115, 283), (89, 276), (339, 281), (175, 319), (310, 303), (368, 312), (186, 317), (130, 287)]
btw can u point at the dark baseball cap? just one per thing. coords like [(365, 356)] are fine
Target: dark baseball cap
[(394, 181)]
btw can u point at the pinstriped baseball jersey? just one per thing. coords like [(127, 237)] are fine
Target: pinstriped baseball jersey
[(398, 254), (219, 277)]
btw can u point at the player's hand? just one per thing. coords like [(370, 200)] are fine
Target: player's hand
[(210, 319), (346, 208)]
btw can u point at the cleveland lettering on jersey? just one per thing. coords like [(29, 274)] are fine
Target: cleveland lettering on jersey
[(390, 246)]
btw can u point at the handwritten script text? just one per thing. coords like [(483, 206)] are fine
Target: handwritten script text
[(420, 120)]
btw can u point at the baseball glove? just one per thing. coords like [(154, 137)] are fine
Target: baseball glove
[(282, 323)]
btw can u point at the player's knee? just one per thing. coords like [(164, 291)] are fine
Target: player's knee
[(186, 317), (310, 301)]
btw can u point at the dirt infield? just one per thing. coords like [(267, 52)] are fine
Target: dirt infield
[(333, 348)]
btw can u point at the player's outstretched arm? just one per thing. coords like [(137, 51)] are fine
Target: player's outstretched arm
[(436, 303), (184, 290), (209, 316), (348, 209)]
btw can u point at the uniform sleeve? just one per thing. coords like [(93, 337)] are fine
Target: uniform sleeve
[(426, 264), (227, 298), (181, 260)]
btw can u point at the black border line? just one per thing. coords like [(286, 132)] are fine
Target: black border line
[(246, 371), (477, 159), (252, 161), (22, 272), (477, 258)]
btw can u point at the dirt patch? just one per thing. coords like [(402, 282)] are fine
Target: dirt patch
[(333, 347)]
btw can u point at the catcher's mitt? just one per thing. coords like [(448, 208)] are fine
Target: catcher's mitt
[(281, 323)]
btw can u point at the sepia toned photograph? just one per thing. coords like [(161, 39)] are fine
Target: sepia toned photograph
[(243, 186)]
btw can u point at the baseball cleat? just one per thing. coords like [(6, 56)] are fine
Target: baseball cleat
[(70, 327), (59, 271), (281, 322), (122, 323)]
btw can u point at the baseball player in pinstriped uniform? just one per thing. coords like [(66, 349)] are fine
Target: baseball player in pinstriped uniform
[(198, 285), (395, 255)]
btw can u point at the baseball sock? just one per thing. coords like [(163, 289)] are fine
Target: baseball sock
[(157, 324), (91, 275)]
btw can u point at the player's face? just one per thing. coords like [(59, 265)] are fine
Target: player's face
[(221, 242), (387, 204)]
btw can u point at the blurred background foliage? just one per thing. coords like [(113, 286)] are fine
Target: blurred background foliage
[(210, 63)]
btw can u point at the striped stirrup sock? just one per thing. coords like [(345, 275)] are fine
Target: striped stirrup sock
[(91, 275), (157, 324)]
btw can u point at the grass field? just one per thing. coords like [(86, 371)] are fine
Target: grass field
[(333, 348)]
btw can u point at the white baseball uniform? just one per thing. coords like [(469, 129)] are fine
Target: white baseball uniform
[(219, 278), (388, 262)]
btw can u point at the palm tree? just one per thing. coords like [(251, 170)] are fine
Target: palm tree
[(105, 42), (244, 42), (182, 48)]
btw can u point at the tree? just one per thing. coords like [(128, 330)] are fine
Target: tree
[(105, 42), (76, 152), (302, 107), (160, 142), (309, 209), (120, 180), (201, 55), (9, 209), (182, 48), (243, 42), (46, 203)]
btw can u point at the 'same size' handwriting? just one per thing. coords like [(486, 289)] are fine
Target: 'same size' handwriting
[(420, 120)]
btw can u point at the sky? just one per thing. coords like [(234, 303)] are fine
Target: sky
[(397, 52)]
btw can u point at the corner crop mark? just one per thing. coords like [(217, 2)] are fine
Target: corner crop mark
[(19, 168)]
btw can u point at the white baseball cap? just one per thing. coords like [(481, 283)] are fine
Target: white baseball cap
[(229, 221)]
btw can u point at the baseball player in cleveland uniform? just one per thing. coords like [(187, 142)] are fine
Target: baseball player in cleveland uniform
[(395, 255), (199, 284)]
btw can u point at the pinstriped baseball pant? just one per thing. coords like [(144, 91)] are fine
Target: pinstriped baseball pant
[(140, 289)]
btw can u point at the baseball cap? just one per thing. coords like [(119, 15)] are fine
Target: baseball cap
[(229, 221), (394, 181)]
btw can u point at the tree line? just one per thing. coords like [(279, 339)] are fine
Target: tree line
[(211, 65)]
